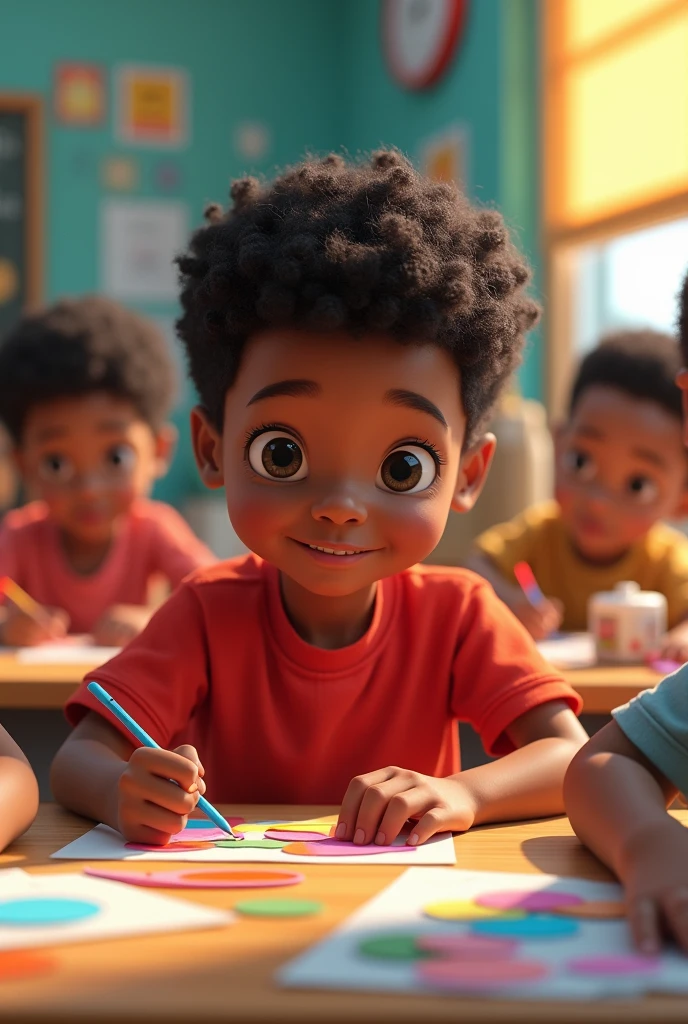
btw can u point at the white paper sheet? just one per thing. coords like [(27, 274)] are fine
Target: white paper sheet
[(66, 654), (570, 650), (104, 843), (336, 963), (126, 910)]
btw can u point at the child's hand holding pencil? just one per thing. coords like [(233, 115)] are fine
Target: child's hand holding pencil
[(27, 623)]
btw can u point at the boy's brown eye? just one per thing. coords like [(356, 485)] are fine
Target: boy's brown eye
[(120, 457), (407, 470), (580, 464), (643, 490), (276, 456), (55, 468)]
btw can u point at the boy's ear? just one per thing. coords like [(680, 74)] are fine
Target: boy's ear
[(165, 446), (207, 448), (473, 470)]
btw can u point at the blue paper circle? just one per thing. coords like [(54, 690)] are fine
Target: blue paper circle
[(39, 910), (537, 926)]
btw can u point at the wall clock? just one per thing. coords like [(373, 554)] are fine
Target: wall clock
[(420, 37)]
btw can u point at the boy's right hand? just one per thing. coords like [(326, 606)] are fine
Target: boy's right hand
[(151, 808), (540, 620), (21, 630)]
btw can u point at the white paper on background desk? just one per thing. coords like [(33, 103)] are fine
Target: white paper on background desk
[(66, 654), (104, 843), (125, 910), (570, 650), (335, 962)]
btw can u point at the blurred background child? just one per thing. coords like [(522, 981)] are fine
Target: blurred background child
[(87, 386), (621, 470)]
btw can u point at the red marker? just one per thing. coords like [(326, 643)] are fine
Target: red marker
[(528, 584)]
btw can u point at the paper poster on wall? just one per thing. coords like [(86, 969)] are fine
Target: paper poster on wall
[(443, 157), (152, 106), (79, 94), (139, 240)]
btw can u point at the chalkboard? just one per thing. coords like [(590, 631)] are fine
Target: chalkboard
[(21, 217)]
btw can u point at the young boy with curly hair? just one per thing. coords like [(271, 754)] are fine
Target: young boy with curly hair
[(621, 469), (87, 386), (348, 328), (619, 786)]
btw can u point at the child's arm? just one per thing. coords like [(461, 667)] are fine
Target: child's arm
[(616, 800), (17, 629), (121, 623), (97, 773), (526, 783), (540, 621), (18, 791)]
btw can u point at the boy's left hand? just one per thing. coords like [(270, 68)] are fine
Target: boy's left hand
[(120, 624), (376, 807), (674, 644)]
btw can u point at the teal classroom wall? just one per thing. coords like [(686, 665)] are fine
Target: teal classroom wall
[(313, 72), (491, 90), (268, 61)]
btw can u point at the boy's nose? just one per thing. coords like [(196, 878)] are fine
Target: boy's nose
[(339, 509)]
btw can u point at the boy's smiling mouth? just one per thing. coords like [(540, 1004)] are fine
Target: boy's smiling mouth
[(339, 553)]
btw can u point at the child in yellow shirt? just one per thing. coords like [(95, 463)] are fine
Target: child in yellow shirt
[(621, 469)]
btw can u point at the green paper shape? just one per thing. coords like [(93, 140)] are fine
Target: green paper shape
[(278, 908), (393, 947), (250, 844)]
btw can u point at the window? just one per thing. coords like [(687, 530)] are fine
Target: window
[(615, 170)]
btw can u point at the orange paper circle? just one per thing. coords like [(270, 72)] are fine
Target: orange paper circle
[(20, 963)]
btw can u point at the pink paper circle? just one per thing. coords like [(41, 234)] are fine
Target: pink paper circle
[(201, 878), (629, 963), (467, 947), (336, 848), (480, 974), (294, 837), (540, 901)]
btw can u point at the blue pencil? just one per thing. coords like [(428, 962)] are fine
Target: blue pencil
[(142, 736)]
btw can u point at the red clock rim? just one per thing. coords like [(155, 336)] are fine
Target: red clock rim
[(434, 70)]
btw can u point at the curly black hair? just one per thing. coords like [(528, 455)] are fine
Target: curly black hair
[(641, 363), (370, 246), (683, 320), (78, 346)]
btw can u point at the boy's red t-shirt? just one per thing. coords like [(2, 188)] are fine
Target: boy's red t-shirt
[(153, 541), (277, 720)]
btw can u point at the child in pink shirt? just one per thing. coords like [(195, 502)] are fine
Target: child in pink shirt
[(87, 386)]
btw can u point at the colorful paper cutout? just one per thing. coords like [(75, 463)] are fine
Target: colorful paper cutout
[(467, 947), (336, 848), (202, 878), (289, 835), (537, 927), (628, 964), (170, 849), (480, 974), (599, 909), (278, 908), (466, 910), (252, 844), (534, 902), (44, 910), (395, 946)]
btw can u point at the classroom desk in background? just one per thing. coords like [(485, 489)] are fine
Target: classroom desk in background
[(227, 975), (49, 686)]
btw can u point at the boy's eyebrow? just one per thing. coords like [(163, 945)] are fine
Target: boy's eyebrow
[(412, 400), (649, 456), (103, 427), (296, 388)]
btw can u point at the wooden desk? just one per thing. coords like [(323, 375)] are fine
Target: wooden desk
[(604, 688), (49, 686), (37, 686), (227, 975)]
